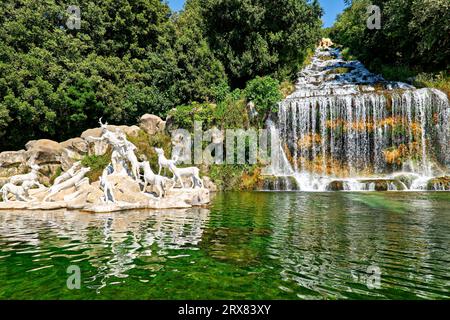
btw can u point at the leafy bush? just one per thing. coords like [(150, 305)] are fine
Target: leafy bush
[(265, 93), (287, 87), (232, 112), (97, 165), (184, 116), (145, 146), (396, 72), (439, 81)]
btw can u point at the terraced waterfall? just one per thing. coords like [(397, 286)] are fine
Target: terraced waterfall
[(345, 128)]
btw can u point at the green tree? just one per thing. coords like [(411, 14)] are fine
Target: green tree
[(413, 33), (260, 37)]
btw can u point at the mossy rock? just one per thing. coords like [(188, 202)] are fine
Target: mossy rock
[(439, 184), (385, 184), (272, 183), (406, 179), (326, 58), (340, 70), (335, 186)]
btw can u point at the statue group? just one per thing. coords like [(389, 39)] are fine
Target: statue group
[(124, 162)]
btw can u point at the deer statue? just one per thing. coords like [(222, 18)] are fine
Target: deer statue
[(31, 176), (178, 173), (19, 192), (68, 174), (72, 182), (153, 179), (163, 162)]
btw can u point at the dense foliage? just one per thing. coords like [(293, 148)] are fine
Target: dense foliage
[(232, 110), (414, 33), (260, 37), (131, 57)]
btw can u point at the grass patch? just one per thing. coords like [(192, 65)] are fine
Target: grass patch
[(439, 81), (308, 57), (145, 146), (347, 55), (232, 177), (396, 73), (97, 164), (326, 58), (287, 87), (340, 70), (56, 175)]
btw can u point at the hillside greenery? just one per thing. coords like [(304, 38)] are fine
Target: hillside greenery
[(412, 43), (131, 57)]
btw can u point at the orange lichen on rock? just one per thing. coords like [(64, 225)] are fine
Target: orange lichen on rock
[(307, 141), (401, 153)]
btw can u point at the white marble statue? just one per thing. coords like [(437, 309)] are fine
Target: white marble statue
[(179, 173), (31, 176), (72, 182), (163, 162), (123, 150), (108, 194), (153, 179), (68, 174), (128, 153), (191, 172), (19, 192), (113, 140)]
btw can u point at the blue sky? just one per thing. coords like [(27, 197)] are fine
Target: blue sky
[(331, 7)]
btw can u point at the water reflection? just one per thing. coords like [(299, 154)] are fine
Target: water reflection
[(326, 244), (111, 243), (245, 246)]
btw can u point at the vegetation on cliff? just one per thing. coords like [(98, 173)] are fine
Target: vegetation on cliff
[(134, 57), (413, 43)]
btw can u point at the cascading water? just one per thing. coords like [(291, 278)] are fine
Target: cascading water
[(345, 128)]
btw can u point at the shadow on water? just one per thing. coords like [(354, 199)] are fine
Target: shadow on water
[(245, 246)]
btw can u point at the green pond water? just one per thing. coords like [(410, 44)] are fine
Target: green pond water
[(244, 246)]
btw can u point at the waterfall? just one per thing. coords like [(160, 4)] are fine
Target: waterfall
[(345, 128)]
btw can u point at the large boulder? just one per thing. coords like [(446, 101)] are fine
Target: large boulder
[(76, 145), (12, 163), (44, 151), (152, 124), (209, 184), (126, 189), (73, 150), (48, 155), (8, 158), (97, 132)]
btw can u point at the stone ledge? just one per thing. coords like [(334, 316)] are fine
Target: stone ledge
[(175, 199)]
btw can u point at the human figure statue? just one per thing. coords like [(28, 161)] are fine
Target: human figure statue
[(68, 174), (72, 182), (112, 139), (123, 150), (108, 194), (127, 152)]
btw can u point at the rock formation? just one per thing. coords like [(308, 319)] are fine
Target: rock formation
[(122, 186)]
